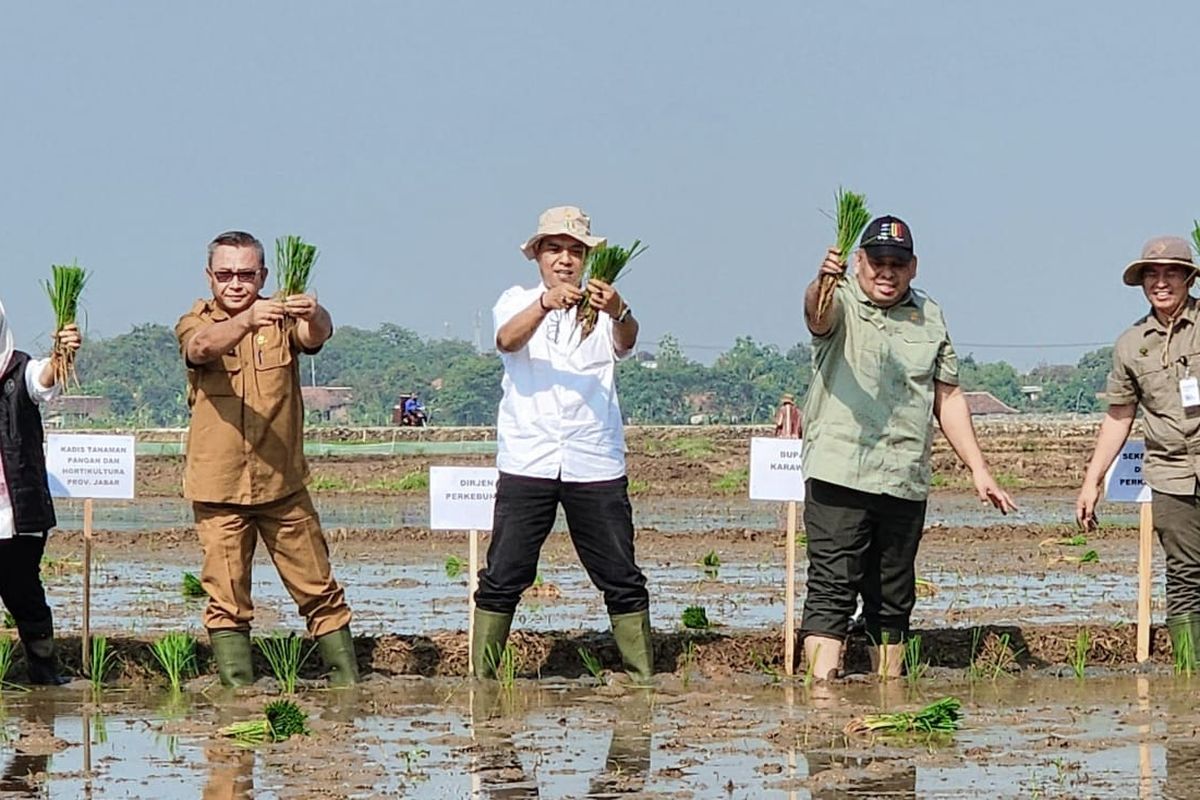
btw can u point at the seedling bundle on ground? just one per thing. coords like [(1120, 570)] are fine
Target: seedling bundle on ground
[(176, 654), (281, 720), (286, 654), (604, 263), (940, 717), (64, 290)]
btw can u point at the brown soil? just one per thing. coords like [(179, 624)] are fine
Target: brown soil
[(688, 461)]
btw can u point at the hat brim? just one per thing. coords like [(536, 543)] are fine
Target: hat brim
[(888, 250), (1133, 273), (530, 246)]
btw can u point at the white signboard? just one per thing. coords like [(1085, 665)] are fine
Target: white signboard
[(86, 465), (1123, 483), (461, 498), (775, 472)]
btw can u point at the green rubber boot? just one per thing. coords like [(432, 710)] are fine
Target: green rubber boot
[(234, 657), (632, 632), (491, 632), (337, 651), (1185, 641)]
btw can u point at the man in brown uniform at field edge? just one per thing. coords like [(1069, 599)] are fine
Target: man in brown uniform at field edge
[(1156, 363), (883, 369), (246, 471), (788, 422)]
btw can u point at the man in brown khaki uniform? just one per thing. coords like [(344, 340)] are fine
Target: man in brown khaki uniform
[(1156, 366), (246, 471)]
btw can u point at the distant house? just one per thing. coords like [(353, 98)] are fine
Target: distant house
[(981, 403), (646, 359), (1032, 393), (331, 403), (68, 410)]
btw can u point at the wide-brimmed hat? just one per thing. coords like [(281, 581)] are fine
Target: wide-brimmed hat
[(1160, 250), (564, 221)]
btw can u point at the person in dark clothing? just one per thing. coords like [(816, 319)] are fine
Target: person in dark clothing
[(26, 510)]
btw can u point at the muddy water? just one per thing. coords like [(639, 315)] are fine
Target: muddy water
[(663, 514), (1115, 736)]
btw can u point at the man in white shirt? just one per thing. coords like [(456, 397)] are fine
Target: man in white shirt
[(560, 440)]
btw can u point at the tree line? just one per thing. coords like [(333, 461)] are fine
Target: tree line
[(142, 375)]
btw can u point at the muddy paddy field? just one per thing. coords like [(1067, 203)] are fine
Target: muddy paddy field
[(1002, 607)]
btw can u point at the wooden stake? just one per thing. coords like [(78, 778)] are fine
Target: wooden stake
[(86, 639), (1145, 552), (789, 594), (472, 585)]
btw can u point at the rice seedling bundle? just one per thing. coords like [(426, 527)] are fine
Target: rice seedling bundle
[(64, 290), (940, 717), (604, 263), (176, 654), (852, 218), (1196, 234), (192, 588), (294, 260), (281, 720), (285, 654), (696, 618)]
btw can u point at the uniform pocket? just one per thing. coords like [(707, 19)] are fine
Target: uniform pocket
[(917, 352), (220, 378)]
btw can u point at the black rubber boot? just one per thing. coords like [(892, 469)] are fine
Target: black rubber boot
[(41, 660)]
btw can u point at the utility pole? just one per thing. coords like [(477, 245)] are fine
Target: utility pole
[(478, 331)]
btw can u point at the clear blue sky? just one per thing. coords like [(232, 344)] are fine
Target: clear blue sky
[(1031, 147)]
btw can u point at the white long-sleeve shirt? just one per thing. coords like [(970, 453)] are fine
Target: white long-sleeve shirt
[(39, 394)]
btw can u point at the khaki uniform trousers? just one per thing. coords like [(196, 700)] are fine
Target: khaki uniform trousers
[(291, 531)]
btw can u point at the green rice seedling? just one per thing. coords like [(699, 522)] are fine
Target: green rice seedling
[(1079, 652), (102, 661), (852, 218), (1090, 557), (591, 663), (294, 260), (1078, 540), (1005, 657), (8, 649), (974, 671), (64, 290), (940, 717), (810, 668), (694, 447), (1196, 235), (915, 667), (192, 588), (604, 263), (926, 588), (689, 662), (176, 654), (1184, 652), (695, 618), (454, 566), (503, 663), (711, 562), (286, 655), (765, 668), (281, 720)]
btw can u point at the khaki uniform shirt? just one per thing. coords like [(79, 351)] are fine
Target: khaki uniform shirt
[(868, 415), (246, 439), (1172, 462)]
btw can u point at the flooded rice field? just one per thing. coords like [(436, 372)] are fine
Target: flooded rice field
[(1120, 736), (1001, 602)]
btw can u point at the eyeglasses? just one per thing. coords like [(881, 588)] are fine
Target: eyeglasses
[(243, 276)]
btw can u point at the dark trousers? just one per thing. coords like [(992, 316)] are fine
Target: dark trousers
[(860, 544), (1177, 522), (600, 520), (21, 585)]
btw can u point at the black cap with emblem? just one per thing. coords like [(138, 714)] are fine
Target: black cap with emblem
[(888, 237)]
